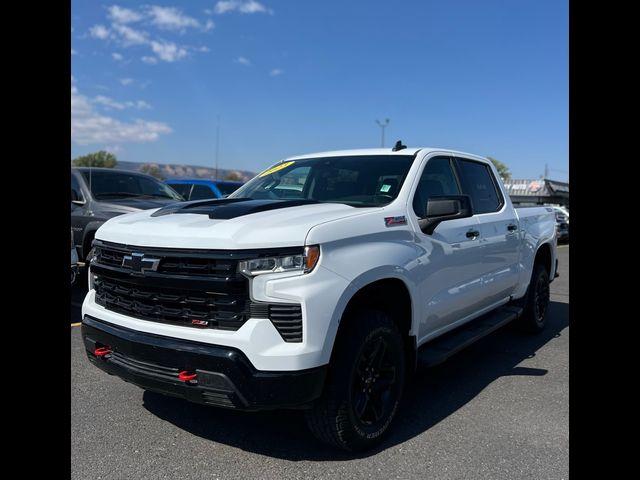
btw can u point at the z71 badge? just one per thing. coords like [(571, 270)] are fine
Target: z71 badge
[(395, 221)]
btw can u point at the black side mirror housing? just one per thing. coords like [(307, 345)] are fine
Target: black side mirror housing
[(443, 208)]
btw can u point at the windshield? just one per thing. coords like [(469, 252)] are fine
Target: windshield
[(121, 185), (359, 181)]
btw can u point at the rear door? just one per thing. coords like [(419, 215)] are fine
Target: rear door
[(499, 238), (449, 268)]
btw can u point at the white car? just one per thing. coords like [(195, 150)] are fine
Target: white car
[(323, 302)]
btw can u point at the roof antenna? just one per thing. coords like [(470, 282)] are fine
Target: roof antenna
[(399, 146)]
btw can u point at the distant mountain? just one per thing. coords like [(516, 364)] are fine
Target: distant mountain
[(174, 170)]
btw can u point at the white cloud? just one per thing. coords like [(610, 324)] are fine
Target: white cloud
[(204, 49), (250, 6), (170, 18), (111, 104), (99, 31), (131, 36), (73, 79), (168, 51), (121, 31), (242, 61), (123, 15), (275, 72), (126, 81), (73, 52), (90, 127)]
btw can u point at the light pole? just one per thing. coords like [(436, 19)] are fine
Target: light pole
[(383, 126), (217, 144)]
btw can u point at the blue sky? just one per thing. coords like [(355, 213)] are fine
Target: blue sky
[(148, 79)]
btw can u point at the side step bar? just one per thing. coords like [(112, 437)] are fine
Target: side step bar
[(440, 349)]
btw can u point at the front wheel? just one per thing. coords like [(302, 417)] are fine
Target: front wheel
[(536, 300), (364, 384)]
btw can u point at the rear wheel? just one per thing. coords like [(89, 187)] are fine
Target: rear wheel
[(536, 300), (364, 385)]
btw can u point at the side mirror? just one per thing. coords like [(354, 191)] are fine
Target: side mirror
[(75, 198), (443, 208)]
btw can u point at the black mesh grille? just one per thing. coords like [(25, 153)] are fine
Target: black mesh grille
[(197, 289), (188, 288), (184, 307), (288, 320)]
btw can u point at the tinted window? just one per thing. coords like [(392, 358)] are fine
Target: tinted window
[(182, 188), (437, 179), (359, 181), (104, 184), (477, 181), (228, 188), (75, 185), (202, 192)]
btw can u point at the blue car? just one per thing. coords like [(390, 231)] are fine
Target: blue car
[(198, 189)]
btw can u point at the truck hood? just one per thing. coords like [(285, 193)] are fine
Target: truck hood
[(247, 225)]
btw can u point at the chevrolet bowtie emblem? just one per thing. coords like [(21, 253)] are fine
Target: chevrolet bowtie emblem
[(138, 263)]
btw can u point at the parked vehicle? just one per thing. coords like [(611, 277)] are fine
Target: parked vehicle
[(198, 189), (562, 211), (562, 228), (74, 260), (98, 194), (384, 259)]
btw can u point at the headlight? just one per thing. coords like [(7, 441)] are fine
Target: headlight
[(304, 263)]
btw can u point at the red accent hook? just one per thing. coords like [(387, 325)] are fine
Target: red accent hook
[(186, 376), (102, 351)]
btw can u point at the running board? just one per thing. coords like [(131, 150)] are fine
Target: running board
[(440, 349)]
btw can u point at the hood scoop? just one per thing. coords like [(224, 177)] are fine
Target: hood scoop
[(228, 208)]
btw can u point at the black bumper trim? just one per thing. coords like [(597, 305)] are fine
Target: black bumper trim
[(225, 376)]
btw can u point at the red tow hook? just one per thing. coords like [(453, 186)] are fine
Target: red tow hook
[(185, 376), (102, 351)]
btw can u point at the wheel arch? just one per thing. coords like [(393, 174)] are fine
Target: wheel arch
[(391, 294)]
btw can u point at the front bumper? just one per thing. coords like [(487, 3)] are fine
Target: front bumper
[(225, 376)]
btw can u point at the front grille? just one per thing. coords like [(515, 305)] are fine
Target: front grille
[(199, 289), (184, 307), (288, 321), (173, 263)]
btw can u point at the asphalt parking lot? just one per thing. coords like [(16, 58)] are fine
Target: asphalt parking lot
[(497, 410)]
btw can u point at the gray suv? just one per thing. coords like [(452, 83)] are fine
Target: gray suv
[(98, 194)]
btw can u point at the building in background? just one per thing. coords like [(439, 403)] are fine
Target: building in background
[(538, 192)]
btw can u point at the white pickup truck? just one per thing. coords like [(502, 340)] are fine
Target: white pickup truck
[(320, 284)]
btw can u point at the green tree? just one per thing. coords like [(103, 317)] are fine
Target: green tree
[(153, 170), (96, 159), (233, 177), (503, 170)]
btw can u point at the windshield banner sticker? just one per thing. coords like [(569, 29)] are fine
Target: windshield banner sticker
[(275, 169)]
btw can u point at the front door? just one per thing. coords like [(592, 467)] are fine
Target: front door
[(449, 270)]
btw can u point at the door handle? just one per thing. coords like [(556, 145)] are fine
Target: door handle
[(473, 234), (512, 227)]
